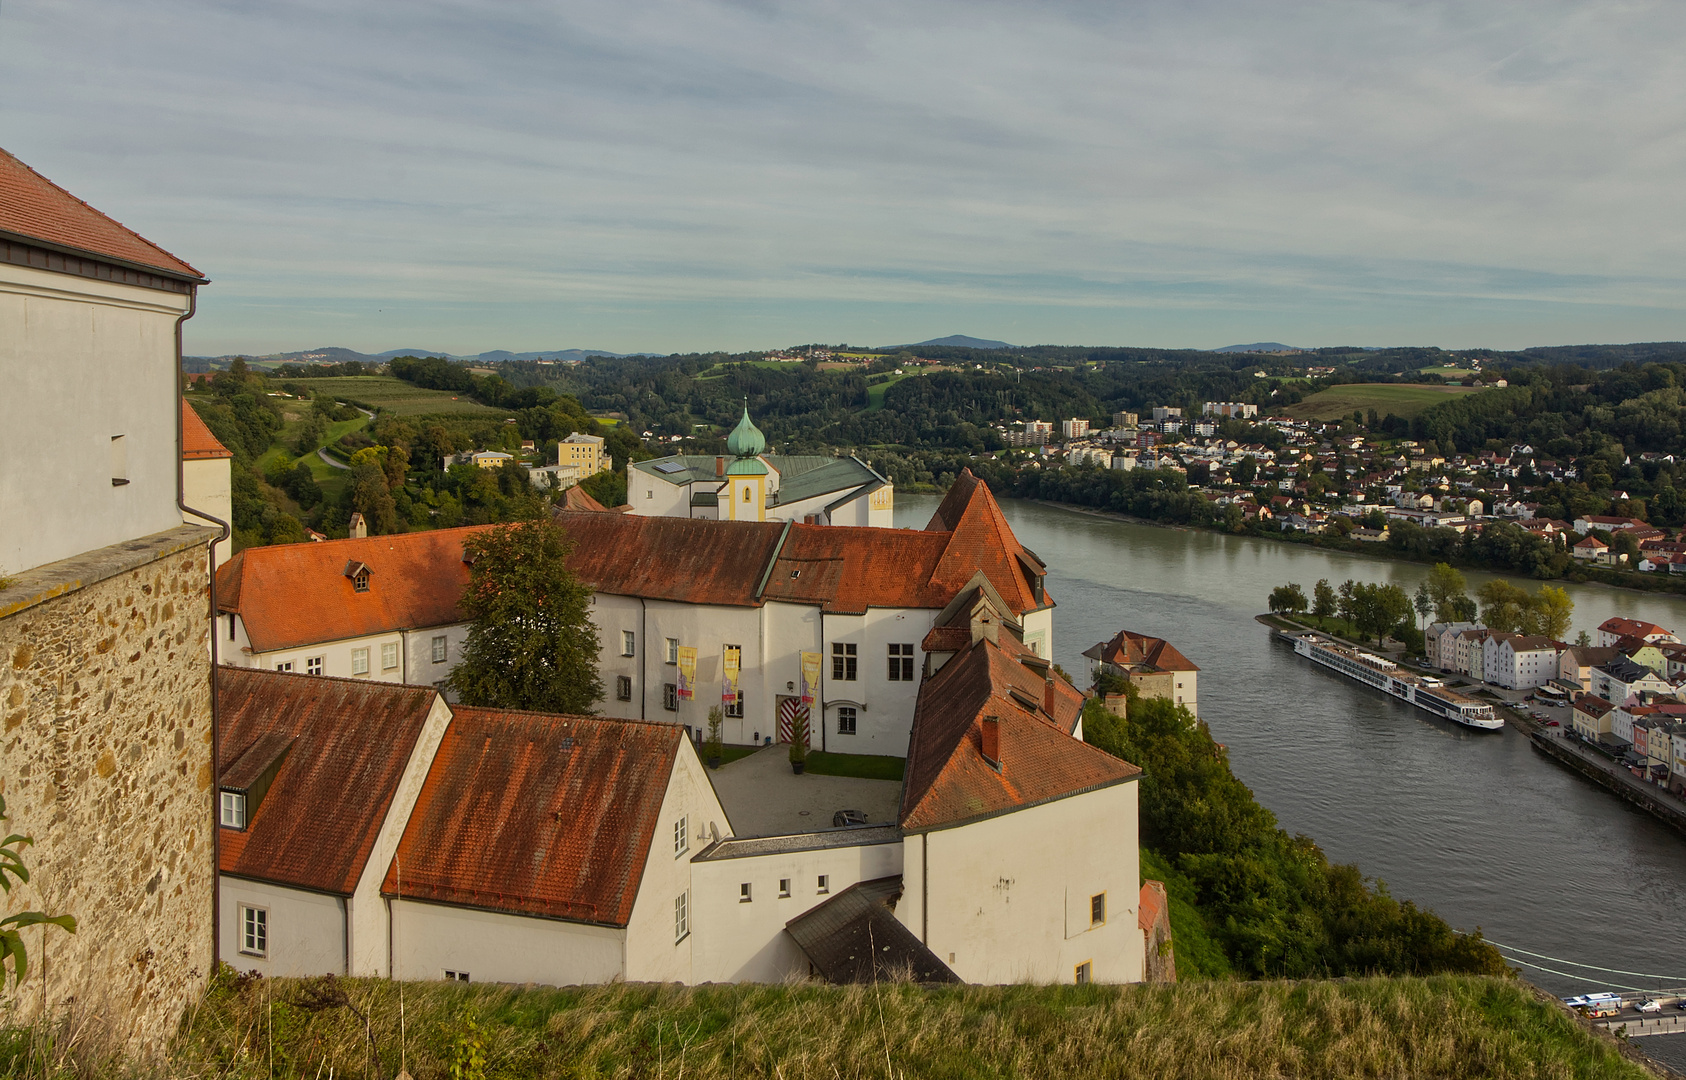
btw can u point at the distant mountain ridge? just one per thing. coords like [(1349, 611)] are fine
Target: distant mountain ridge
[(333, 354), (955, 341), (1258, 346)]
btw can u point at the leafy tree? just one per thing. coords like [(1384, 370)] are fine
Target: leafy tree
[(1551, 613), (1344, 600), (1323, 599), (1287, 599), (1423, 602), (1503, 606), (531, 643), (1446, 586)]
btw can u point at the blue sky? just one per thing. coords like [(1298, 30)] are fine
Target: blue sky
[(695, 175)]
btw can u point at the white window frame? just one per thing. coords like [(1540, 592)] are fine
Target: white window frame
[(441, 647), (682, 916), (232, 812), (285, 665), (360, 661), (254, 931), (313, 665), (455, 976), (672, 650), (389, 650), (629, 643), (681, 836), (843, 661), (849, 714)]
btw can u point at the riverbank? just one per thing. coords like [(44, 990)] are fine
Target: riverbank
[(1563, 749)]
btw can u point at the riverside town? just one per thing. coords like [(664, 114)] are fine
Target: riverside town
[(730, 704)]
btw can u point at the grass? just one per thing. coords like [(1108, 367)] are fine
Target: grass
[(860, 766), (328, 478), (397, 396), (730, 753), (1446, 1026), (1401, 399)]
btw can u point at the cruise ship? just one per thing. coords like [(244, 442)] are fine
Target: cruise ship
[(1426, 693)]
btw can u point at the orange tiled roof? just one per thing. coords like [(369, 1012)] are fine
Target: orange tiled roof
[(197, 442), (1128, 649), (1629, 627), (351, 740), (577, 498), (289, 595), (690, 560), (35, 208), (948, 780), (537, 814)]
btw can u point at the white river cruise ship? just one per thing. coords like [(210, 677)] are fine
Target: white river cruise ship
[(1425, 693)]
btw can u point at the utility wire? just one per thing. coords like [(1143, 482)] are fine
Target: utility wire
[(1593, 967), (1577, 978)]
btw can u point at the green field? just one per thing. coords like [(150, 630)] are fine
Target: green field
[(875, 392), (397, 396), (1441, 1026), (328, 478), (861, 766), (1401, 399)]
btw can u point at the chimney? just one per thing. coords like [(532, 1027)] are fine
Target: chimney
[(719, 466), (1048, 696), (359, 527), (990, 727)]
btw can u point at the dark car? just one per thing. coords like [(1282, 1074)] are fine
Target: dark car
[(847, 817)]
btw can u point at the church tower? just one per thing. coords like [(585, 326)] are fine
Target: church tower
[(744, 497)]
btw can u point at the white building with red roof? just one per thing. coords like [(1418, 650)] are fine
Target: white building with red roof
[(1612, 631)]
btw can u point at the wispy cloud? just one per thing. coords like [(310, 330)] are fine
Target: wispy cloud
[(695, 174)]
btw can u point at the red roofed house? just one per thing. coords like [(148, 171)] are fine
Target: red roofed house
[(207, 480), (103, 616), (1611, 631), (1153, 665)]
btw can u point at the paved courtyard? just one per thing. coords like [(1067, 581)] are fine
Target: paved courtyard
[(764, 798)]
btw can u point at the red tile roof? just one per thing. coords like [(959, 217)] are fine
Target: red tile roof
[(1630, 627), (577, 498), (351, 740), (1153, 902), (1130, 649), (289, 595), (948, 780), (690, 560), (35, 208), (538, 815), (197, 442)]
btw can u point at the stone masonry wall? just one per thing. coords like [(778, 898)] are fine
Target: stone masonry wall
[(105, 759)]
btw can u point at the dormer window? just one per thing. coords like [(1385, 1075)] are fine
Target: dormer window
[(359, 575)]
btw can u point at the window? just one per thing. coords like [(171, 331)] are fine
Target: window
[(648, 494), (254, 930), (673, 650), (313, 665), (231, 628), (440, 648), (681, 836), (842, 661), (455, 976), (824, 885), (846, 720), (670, 697), (629, 643), (389, 656), (1085, 973), (285, 665), (784, 888), (233, 814), (623, 687), (746, 493), (360, 661), (360, 580), (681, 917), (734, 709), (901, 663), (119, 461), (744, 895), (1097, 909)]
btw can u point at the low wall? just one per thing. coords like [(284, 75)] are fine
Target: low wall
[(1613, 778)]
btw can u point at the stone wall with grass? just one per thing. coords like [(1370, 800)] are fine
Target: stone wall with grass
[(105, 760)]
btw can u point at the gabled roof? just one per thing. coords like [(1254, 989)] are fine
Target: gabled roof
[(981, 539), (289, 595), (577, 498), (350, 741), (537, 814), (1130, 649), (948, 781), (689, 560), (197, 442), (1631, 627), (855, 937), (34, 208)]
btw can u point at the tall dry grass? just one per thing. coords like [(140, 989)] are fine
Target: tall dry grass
[(1447, 1026)]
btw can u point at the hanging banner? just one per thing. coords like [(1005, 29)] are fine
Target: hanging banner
[(687, 672), (810, 677), (731, 659)]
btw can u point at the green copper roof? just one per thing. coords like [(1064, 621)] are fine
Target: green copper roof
[(747, 466), (746, 439)]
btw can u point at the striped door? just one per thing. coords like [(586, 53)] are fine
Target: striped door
[(789, 709)]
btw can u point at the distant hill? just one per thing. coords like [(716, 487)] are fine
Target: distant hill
[(330, 354), (1257, 346), (958, 341)]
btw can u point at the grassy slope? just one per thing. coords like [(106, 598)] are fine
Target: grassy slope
[(1402, 399), (386, 392), (1437, 1027), (328, 478)]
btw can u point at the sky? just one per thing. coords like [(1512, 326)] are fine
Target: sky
[(686, 175)]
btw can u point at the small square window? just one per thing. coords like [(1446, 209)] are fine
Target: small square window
[(846, 720), (285, 665), (744, 894), (623, 688), (673, 650), (360, 580), (360, 661), (670, 697), (455, 976), (313, 665), (440, 648), (233, 814), (784, 888), (1097, 909), (389, 656), (824, 885), (734, 709), (254, 930), (629, 643), (1085, 973)]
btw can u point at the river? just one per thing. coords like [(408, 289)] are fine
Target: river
[(1476, 825)]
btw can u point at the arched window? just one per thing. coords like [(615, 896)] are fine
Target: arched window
[(746, 493)]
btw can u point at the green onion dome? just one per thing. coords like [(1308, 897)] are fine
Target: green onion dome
[(746, 439)]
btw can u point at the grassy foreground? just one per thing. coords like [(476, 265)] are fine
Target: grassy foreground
[(1442, 1026)]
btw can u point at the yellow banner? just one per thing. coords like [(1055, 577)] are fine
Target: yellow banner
[(731, 660), (810, 677), (687, 671)]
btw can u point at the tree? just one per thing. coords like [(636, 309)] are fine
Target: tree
[(1343, 603), (1623, 545), (1287, 599), (1583, 639), (531, 643), (1446, 586), (1503, 606), (1423, 602), (1245, 470), (1551, 613), (1323, 599)]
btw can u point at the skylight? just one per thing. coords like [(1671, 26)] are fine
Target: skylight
[(671, 467)]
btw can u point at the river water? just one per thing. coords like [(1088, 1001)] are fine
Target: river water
[(1476, 825)]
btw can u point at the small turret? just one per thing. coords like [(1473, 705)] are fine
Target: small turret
[(746, 440)]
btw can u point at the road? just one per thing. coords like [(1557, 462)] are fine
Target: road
[(323, 454)]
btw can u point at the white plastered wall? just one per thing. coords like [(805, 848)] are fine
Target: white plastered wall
[(884, 709), (419, 668), (1007, 899), (336, 656), (306, 929), (1038, 629), (207, 485), (84, 360), (652, 953), (746, 942), (490, 946), (709, 628)]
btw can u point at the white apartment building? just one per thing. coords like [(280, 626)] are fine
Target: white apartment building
[(1519, 661)]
